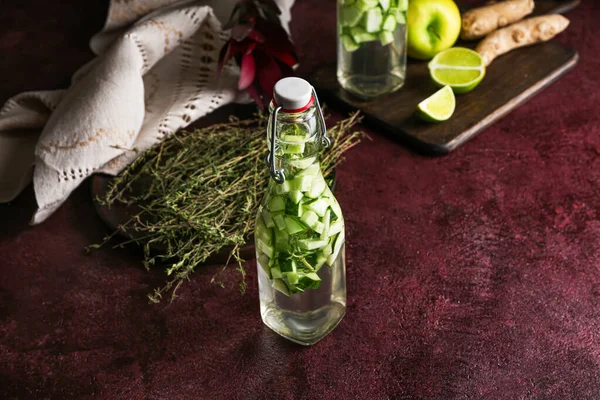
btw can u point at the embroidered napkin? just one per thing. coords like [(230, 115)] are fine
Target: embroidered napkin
[(155, 73)]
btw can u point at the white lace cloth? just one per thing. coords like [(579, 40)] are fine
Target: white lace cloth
[(149, 79)]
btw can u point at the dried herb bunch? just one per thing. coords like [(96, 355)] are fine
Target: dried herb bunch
[(197, 193)]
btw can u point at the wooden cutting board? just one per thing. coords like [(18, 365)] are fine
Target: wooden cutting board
[(510, 81)]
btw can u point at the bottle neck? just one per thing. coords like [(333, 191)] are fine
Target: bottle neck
[(297, 140)]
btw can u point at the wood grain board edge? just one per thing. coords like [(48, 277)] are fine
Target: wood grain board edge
[(508, 107)]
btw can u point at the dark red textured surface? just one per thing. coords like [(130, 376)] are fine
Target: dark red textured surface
[(475, 275)]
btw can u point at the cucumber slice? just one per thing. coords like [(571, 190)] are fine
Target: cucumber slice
[(295, 196), (303, 163), (385, 4), (293, 225), (360, 35), (302, 183), (350, 15), (263, 261), (335, 228), (398, 15), (389, 24), (327, 251), (320, 262), (317, 188), (279, 222), (276, 204), (282, 188), (309, 218), (402, 5), (326, 223), (279, 285), (263, 233), (364, 5), (264, 248), (276, 273), (349, 44), (339, 241), (310, 244), (282, 239), (372, 20), (386, 37), (268, 219), (319, 206)]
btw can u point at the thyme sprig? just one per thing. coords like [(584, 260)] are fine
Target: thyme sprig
[(197, 193)]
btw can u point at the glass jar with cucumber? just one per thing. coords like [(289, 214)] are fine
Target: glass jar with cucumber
[(299, 232), (371, 46)]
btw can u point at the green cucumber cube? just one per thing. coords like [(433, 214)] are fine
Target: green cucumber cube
[(303, 163), (293, 225), (276, 273), (326, 224), (302, 183), (402, 5), (296, 196), (268, 219), (309, 218), (389, 24), (319, 206), (372, 20), (350, 15), (292, 278), (339, 241), (287, 266), (360, 35), (386, 37), (398, 15), (327, 250), (364, 5), (282, 188), (280, 286), (264, 248), (385, 4), (276, 204), (265, 234), (318, 227), (317, 188), (312, 170), (349, 44), (279, 222), (263, 261), (281, 241), (313, 276), (294, 148), (320, 262), (294, 138), (335, 228), (311, 244)]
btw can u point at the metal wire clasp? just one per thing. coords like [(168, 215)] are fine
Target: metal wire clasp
[(278, 174)]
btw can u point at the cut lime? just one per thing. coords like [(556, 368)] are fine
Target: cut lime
[(438, 107), (460, 68)]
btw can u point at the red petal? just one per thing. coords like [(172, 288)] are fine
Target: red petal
[(268, 74), (256, 36), (248, 71), (255, 94)]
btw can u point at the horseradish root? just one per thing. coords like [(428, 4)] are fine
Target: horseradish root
[(478, 22), (524, 33)]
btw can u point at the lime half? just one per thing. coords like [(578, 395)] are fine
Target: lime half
[(438, 107), (460, 68)]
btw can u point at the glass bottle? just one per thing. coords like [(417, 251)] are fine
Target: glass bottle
[(299, 233), (371, 59)]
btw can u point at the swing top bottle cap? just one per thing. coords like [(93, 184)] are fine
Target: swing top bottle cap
[(293, 94)]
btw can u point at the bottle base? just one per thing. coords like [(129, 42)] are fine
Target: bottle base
[(370, 87), (305, 328)]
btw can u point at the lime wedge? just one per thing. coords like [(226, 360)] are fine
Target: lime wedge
[(460, 68), (438, 107)]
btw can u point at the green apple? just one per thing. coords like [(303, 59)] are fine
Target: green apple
[(433, 26)]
